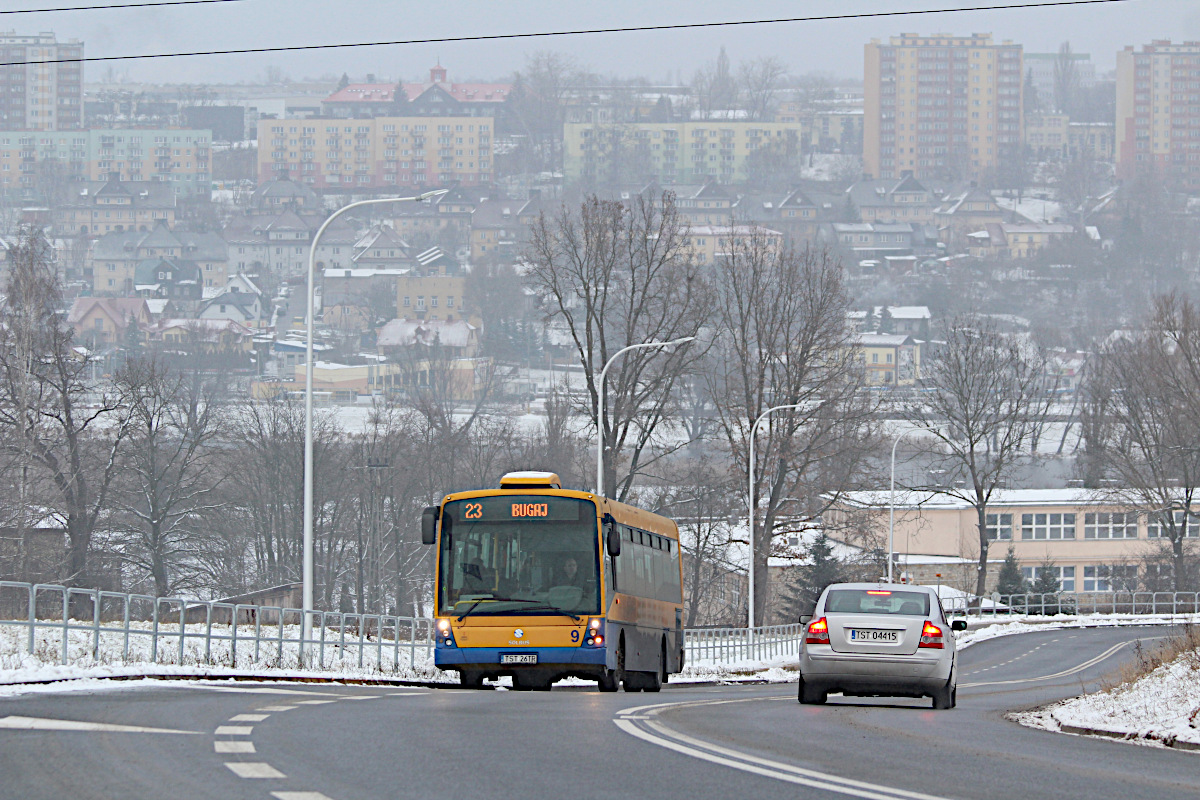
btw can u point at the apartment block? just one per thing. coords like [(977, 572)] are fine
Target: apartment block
[(39, 91), (674, 152), (1158, 112), (940, 106), (32, 160), (377, 153)]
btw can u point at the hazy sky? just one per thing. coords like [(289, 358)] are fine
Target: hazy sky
[(830, 46)]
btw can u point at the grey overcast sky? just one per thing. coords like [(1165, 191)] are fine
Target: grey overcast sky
[(828, 46)]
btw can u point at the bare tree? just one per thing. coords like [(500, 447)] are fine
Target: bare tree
[(1150, 446), (66, 428), (784, 341), (759, 80), (165, 494), (714, 86), (987, 401), (1066, 79), (616, 274)]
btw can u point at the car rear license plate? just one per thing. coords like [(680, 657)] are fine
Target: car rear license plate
[(869, 635), (518, 658)]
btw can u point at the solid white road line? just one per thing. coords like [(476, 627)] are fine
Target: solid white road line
[(275, 708), (657, 733), (300, 796), (36, 724), (314, 702), (248, 717), (234, 730), (361, 697), (253, 769), (253, 690), (233, 746)]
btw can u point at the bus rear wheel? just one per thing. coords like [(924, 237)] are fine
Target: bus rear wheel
[(470, 679)]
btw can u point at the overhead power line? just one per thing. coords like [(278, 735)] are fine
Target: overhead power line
[(579, 32), (117, 5)]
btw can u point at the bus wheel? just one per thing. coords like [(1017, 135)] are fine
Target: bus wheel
[(653, 681), (608, 682), (631, 680), (531, 683), (469, 679)]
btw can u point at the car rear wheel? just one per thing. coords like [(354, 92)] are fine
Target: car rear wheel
[(946, 697), (811, 695)]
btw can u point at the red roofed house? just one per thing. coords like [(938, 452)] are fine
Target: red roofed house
[(435, 98), (105, 320)]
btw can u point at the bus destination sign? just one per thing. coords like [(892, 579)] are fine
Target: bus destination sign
[(510, 508)]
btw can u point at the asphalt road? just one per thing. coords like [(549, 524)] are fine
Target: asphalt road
[(307, 742)]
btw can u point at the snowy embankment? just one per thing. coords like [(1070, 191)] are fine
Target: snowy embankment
[(1160, 708)]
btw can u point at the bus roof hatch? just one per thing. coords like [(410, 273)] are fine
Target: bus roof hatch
[(530, 480)]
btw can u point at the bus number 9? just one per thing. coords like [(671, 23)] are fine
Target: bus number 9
[(574, 636), (474, 511)]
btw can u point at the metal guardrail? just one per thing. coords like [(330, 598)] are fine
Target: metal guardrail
[(1080, 603), (731, 645), (65, 625)]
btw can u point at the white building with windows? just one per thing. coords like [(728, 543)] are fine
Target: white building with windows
[(1092, 544)]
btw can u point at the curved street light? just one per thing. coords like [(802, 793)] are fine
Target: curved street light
[(600, 402), (892, 505), (754, 433), (307, 591)]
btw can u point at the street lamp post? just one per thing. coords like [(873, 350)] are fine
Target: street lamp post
[(892, 505), (307, 591), (600, 402), (753, 434)]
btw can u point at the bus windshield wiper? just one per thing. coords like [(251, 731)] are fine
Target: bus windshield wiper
[(471, 608), (540, 606)]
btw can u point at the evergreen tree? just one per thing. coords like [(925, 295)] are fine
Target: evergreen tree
[(1011, 581), (344, 82), (822, 569), (1046, 581)]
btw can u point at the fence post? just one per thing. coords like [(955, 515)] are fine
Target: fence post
[(96, 628), (66, 626), (32, 616)]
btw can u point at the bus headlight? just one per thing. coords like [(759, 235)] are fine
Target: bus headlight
[(594, 636)]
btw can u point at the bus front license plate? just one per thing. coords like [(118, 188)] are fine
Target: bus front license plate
[(518, 658)]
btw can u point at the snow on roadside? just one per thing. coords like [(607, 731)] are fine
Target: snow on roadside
[(1161, 708)]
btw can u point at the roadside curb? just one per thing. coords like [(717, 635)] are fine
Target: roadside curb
[(1166, 741)]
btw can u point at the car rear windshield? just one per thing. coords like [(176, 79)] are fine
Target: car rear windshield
[(877, 601)]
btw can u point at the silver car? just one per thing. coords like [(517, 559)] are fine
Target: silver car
[(879, 639)]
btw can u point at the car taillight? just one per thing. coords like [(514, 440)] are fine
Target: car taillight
[(818, 632), (931, 636)]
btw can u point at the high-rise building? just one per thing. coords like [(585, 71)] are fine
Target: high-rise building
[(940, 106), (1158, 112), (39, 89)]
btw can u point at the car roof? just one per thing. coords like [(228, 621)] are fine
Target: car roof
[(892, 587)]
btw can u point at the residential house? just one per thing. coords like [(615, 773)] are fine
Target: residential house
[(115, 256), (106, 321), (890, 200), (278, 244), (963, 212), (889, 359), (285, 194), (165, 278), (1005, 240), (708, 242), (101, 207)]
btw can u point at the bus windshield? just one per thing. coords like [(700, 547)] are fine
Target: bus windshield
[(519, 554)]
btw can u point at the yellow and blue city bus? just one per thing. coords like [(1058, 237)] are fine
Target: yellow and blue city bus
[(540, 583)]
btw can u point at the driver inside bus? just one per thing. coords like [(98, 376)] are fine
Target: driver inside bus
[(571, 575)]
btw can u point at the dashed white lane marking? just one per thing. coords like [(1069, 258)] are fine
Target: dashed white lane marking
[(1080, 668), (233, 746), (234, 730), (37, 724), (657, 733), (300, 796), (314, 702), (275, 708), (361, 697), (248, 717), (253, 769)]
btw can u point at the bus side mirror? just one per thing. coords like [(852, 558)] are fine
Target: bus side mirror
[(958, 625), (429, 518), (612, 541)]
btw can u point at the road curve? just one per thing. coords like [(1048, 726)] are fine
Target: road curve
[(305, 742)]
